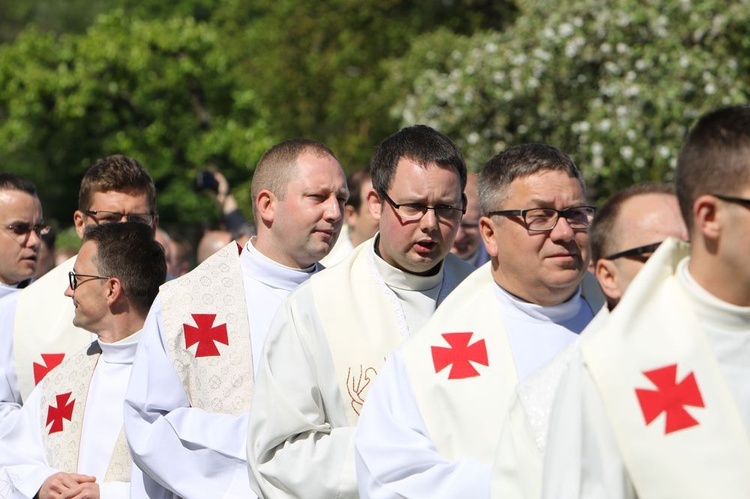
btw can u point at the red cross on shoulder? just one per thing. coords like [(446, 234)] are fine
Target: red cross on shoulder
[(49, 362), (460, 355), (205, 335), (670, 397), (64, 410)]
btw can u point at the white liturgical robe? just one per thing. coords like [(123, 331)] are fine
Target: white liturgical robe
[(194, 449), (431, 422), (36, 334), (323, 351), (29, 453), (656, 403)]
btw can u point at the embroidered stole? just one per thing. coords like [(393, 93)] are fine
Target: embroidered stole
[(363, 319), (43, 332), (466, 343), (63, 404), (674, 418), (207, 333)]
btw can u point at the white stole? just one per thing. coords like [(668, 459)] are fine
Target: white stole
[(463, 370), (43, 333), (63, 404), (207, 333), (363, 319), (695, 444)]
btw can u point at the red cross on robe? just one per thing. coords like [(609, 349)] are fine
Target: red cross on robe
[(49, 362), (670, 397), (460, 355), (205, 335), (64, 410)]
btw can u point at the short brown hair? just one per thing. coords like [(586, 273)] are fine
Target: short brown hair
[(278, 165), (116, 173), (13, 182), (517, 162), (715, 158), (129, 252), (602, 234)]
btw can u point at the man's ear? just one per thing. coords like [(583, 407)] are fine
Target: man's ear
[(114, 290), (265, 206), (606, 274), (708, 217), (78, 216), (375, 204), (487, 230)]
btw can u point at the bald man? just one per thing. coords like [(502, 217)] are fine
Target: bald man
[(211, 242)]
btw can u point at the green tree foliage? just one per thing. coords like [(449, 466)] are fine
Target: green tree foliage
[(159, 91), (318, 66), (615, 84)]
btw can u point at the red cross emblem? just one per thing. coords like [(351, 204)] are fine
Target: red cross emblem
[(49, 362), (64, 410), (670, 397), (205, 335), (460, 355)]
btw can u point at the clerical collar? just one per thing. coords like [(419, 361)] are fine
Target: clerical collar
[(555, 313), (6, 289), (272, 273), (399, 279), (120, 352), (726, 315)]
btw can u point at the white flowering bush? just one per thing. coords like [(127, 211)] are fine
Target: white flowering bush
[(615, 84)]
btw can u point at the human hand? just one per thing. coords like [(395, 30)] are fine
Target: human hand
[(64, 485)]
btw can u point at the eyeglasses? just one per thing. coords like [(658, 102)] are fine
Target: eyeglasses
[(732, 199), (411, 212), (545, 219), (23, 229), (635, 252), (113, 217), (73, 279)]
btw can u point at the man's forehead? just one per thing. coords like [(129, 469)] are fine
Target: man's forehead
[(120, 202), (546, 187), (19, 205)]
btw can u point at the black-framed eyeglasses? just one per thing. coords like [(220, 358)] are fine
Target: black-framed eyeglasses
[(113, 217), (733, 199), (24, 229), (646, 250), (73, 279), (545, 219), (411, 212)]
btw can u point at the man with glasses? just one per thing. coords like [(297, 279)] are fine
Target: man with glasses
[(330, 339), (626, 231), (440, 395), (22, 225), (655, 404), (468, 245), (67, 440), (36, 329)]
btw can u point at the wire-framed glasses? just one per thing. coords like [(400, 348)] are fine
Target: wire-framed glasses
[(545, 219), (411, 212), (113, 217), (73, 279)]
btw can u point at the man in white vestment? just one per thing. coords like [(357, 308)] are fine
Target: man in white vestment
[(626, 231), (331, 337), (468, 245), (430, 425), (68, 440), (359, 224), (187, 405), (36, 325), (656, 403)]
